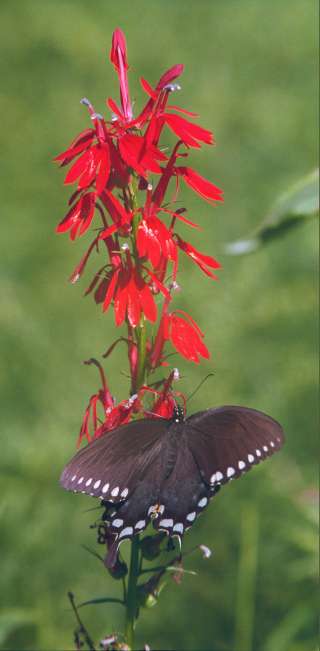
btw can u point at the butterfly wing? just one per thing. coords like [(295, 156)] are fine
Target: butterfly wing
[(228, 441), (183, 494), (113, 465)]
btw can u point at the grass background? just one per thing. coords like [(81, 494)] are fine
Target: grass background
[(250, 73)]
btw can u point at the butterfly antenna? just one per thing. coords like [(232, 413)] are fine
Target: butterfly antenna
[(199, 386)]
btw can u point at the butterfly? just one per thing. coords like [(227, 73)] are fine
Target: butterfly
[(165, 471)]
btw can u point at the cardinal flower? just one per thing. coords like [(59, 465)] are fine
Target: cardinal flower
[(184, 334), (129, 292), (79, 217), (118, 56), (205, 262), (199, 184)]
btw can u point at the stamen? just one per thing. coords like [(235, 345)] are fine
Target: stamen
[(174, 287), (96, 116), (172, 87), (176, 374)]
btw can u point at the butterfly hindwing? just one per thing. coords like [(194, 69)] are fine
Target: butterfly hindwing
[(183, 494), (228, 441)]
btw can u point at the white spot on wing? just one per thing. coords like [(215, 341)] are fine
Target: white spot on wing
[(213, 479), (73, 478), (272, 444), (117, 522), (105, 488), (251, 458), (97, 483), (128, 531), (115, 491), (167, 522), (258, 453), (80, 480), (203, 502), (140, 524), (241, 465), (219, 476), (265, 447), (191, 516), (231, 471), (125, 492), (178, 527), (89, 481)]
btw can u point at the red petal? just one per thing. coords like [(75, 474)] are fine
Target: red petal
[(187, 340), (90, 172), (79, 167), (203, 261), (80, 143), (110, 290), (148, 89), (188, 131), (182, 110), (118, 41), (121, 298), (170, 75), (114, 108), (107, 232), (180, 216), (147, 303), (104, 169), (133, 308), (199, 184), (115, 209)]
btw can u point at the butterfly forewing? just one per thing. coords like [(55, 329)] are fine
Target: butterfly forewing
[(112, 466), (228, 441)]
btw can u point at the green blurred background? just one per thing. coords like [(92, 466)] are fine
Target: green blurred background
[(250, 73)]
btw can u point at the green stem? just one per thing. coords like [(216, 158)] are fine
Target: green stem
[(141, 339), (142, 352), (132, 606)]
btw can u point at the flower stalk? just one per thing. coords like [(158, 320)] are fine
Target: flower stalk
[(123, 179)]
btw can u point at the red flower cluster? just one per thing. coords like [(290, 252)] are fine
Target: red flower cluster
[(122, 176)]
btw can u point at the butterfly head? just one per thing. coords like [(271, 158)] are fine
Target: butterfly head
[(177, 414)]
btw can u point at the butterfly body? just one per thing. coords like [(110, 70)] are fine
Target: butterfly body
[(167, 470)]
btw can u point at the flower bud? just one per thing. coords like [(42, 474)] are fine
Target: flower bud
[(150, 546), (119, 570)]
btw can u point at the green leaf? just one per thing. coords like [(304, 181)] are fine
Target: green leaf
[(101, 600), (297, 205)]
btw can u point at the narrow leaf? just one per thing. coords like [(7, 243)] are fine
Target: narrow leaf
[(299, 204)]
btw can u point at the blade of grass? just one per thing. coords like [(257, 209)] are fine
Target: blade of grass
[(246, 578)]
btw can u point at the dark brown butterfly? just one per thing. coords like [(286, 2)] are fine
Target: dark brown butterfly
[(166, 471)]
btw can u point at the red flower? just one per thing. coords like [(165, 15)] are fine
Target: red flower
[(203, 261), (102, 399), (92, 165), (184, 334), (131, 294), (199, 184), (187, 131), (154, 241), (118, 56), (141, 158), (80, 216)]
